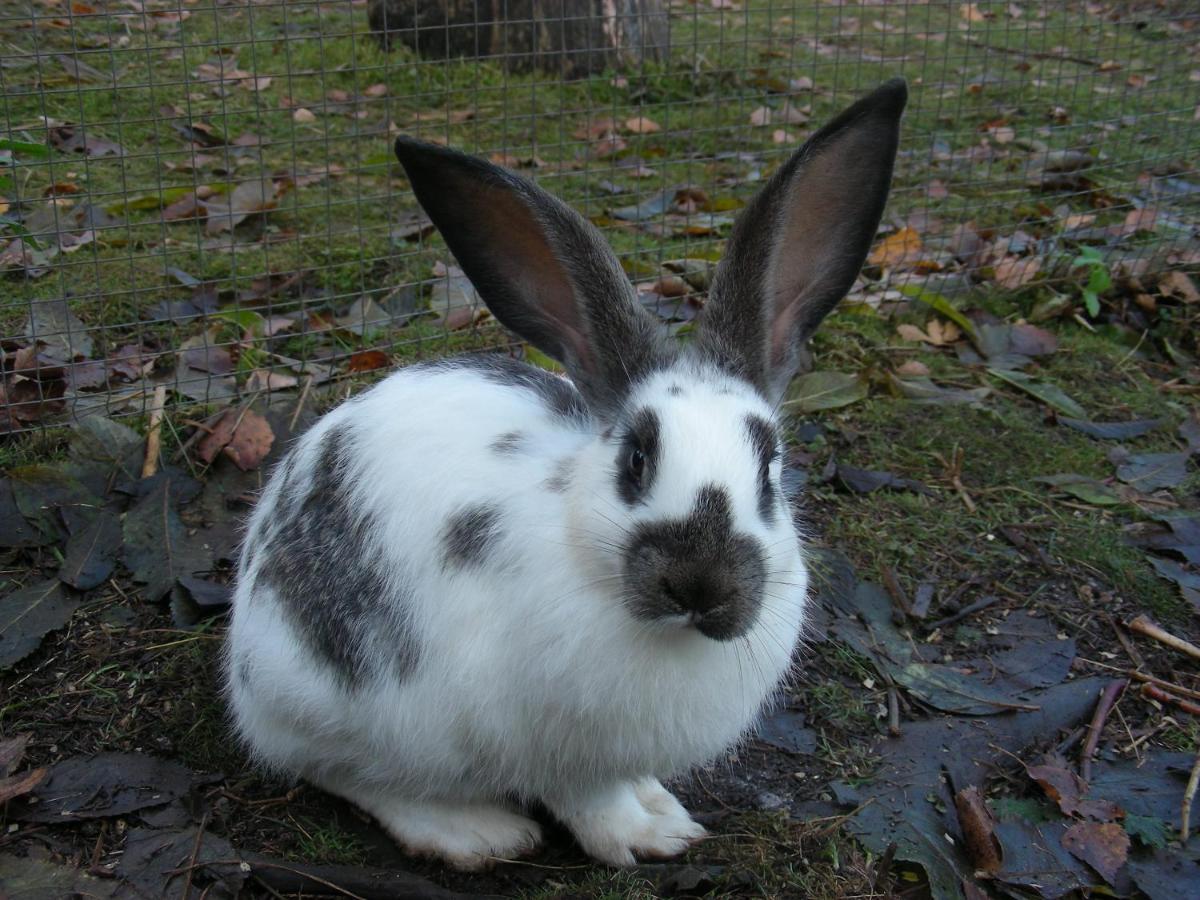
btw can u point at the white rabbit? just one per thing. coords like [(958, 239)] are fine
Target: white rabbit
[(479, 585)]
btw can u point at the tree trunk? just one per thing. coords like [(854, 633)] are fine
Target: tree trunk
[(572, 37)]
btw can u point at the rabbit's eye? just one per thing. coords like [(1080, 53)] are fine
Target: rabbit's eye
[(637, 463)]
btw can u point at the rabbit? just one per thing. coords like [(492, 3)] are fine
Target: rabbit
[(479, 585)]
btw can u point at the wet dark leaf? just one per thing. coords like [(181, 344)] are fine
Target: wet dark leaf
[(91, 553), (786, 730), (155, 863), (1036, 861), (1071, 792), (1151, 471), (1089, 490), (34, 877), (208, 595), (1102, 845), (30, 613), (58, 329), (15, 531), (1190, 432), (248, 198), (158, 549), (50, 496), (925, 390), (109, 784), (1165, 874), (12, 751), (1149, 831), (75, 139), (1113, 431), (864, 481), (203, 354), (935, 757)]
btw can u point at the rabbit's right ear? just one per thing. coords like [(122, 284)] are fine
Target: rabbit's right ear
[(542, 269), (799, 244)]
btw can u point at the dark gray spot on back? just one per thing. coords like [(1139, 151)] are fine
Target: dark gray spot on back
[(470, 535), (699, 566), (560, 480), (557, 394), (321, 563), (508, 443), (675, 390)]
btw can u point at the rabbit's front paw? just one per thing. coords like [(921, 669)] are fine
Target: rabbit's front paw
[(632, 819)]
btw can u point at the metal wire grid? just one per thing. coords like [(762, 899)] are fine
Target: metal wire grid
[(143, 106)]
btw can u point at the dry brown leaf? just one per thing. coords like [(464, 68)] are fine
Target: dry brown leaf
[(375, 90), (642, 125), (303, 115), (898, 248), (1014, 272), (761, 116), (914, 368), (1177, 284), (979, 830), (267, 380), (368, 361), (1102, 845), (779, 136), (18, 785), (972, 13), (251, 441), (215, 440), (1069, 791), (1137, 220)]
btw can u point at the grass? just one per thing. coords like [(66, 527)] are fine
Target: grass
[(338, 233)]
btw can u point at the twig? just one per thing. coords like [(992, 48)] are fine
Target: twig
[(300, 403), (1185, 818), (1143, 625), (893, 703), (1107, 698), (1156, 693), (1130, 650), (154, 435), (969, 610), (882, 869), (1147, 679), (187, 882), (896, 592)]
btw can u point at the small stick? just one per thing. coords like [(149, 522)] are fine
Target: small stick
[(969, 610), (1157, 693), (300, 403), (1143, 625), (1107, 699), (187, 884), (154, 435), (1185, 819), (1147, 679), (1130, 650), (892, 583), (893, 700)]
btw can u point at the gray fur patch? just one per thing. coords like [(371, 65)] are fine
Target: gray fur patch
[(764, 438), (470, 535), (242, 672), (508, 443), (557, 394), (675, 390), (320, 562), (560, 481)]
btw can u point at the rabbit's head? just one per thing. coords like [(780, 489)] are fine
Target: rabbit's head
[(677, 498)]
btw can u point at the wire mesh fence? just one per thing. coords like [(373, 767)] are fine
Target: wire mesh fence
[(201, 195)]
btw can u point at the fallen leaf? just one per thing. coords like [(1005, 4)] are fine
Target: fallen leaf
[(157, 548), (787, 730), (1177, 284), (28, 614), (972, 13), (1070, 792), (914, 368), (304, 116), (12, 751), (248, 198), (925, 391), (251, 441), (91, 553), (978, 828), (642, 125), (936, 332), (902, 247), (1047, 393), (19, 785), (375, 90), (368, 361), (1102, 845), (1089, 490), (53, 324), (761, 116), (203, 353), (864, 481), (1151, 471), (270, 380), (824, 390), (109, 784), (208, 595), (75, 139), (1113, 431), (1014, 272)]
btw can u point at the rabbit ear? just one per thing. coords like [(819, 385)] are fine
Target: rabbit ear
[(798, 246), (543, 270)]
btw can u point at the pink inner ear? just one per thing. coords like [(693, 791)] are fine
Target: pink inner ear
[(810, 245), (526, 259)]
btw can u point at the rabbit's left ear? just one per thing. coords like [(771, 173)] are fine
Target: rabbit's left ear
[(799, 244)]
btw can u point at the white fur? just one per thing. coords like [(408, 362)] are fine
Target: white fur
[(533, 679)]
